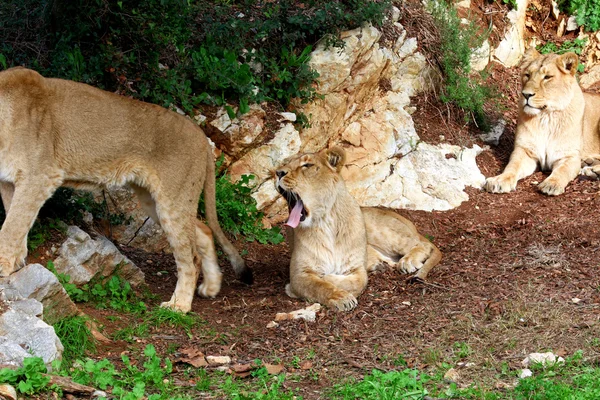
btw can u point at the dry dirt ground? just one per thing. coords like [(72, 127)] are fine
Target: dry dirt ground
[(519, 274)]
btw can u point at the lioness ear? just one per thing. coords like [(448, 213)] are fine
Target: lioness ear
[(568, 63), (336, 157), (530, 55)]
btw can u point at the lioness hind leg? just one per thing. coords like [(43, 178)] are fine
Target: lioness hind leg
[(212, 276), (420, 259), (180, 230), (590, 166)]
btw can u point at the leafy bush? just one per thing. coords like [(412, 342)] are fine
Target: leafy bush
[(576, 46), (182, 52), (587, 12), (28, 379), (115, 293), (460, 87), (237, 210)]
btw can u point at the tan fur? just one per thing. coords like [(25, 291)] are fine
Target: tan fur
[(557, 126), (59, 133), (338, 242)]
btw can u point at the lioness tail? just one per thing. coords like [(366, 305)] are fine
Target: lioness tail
[(242, 272)]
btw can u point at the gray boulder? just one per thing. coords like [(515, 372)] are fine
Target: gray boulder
[(34, 284), (23, 334), (84, 259)]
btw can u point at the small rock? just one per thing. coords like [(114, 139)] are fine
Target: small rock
[(200, 119), (545, 359), (493, 136), (406, 303), (308, 314), (466, 364), (572, 23), (555, 10), (525, 373), (99, 394), (8, 392), (272, 324), (222, 123), (288, 116), (562, 25), (218, 360), (575, 300), (452, 375), (463, 4), (395, 14)]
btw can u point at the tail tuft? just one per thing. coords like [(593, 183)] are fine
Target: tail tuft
[(246, 276)]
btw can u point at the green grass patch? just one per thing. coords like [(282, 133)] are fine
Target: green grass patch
[(76, 337)]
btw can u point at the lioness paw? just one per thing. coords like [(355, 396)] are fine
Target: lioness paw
[(290, 292), (408, 265), (551, 187), (344, 301), (591, 171), (177, 306), (8, 266), (208, 289), (500, 184)]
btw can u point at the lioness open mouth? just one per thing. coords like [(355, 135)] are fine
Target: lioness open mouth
[(295, 207)]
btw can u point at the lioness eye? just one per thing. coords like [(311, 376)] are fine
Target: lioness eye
[(546, 77), (527, 76), (307, 165)]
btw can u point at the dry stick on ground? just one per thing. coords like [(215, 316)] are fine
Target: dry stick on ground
[(67, 385)]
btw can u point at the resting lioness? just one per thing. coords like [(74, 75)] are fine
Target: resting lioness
[(335, 242), (557, 126), (60, 133)]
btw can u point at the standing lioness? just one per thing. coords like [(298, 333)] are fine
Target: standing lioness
[(334, 241), (557, 126), (60, 133)]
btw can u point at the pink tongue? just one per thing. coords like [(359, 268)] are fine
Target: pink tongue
[(295, 214)]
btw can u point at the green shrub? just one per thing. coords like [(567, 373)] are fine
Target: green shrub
[(460, 87), (28, 379), (177, 51), (576, 46), (587, 12), (237, 211)]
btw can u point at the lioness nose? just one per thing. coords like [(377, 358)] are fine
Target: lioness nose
[(280, 174), (527, 95)]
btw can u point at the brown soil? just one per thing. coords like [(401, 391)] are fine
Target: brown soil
[(514, 266)]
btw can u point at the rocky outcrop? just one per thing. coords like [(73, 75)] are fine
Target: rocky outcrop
[(85, 259), (365, 108), (511, 48), (36, 283), (24, 334)]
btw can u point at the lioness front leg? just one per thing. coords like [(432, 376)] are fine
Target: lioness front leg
[(521, 164), (24, 204), (324, 289), (563, 172)]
